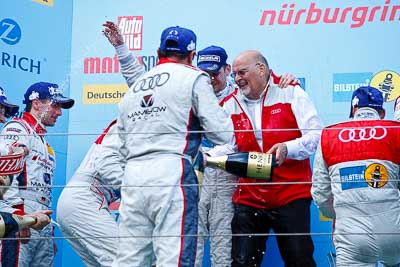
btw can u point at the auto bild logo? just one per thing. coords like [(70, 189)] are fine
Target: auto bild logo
[(10, 32), (362, 134), (147, 101), (345, 83), (131, 28), (388, 82), (151, 82)]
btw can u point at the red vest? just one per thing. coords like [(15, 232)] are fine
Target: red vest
[(345, 142), (275, 115)]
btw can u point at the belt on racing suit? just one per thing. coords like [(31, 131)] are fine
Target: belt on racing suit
[(103, 190), (35, 196)]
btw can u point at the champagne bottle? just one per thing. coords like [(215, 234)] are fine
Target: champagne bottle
[(245, 164), (10, 223)]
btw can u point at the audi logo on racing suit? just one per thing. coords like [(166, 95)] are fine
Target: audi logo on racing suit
[(151, 82), (362, 134)]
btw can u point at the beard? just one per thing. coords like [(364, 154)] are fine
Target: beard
[(246, 91)]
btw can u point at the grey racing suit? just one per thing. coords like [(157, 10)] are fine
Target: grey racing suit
[(355, 181), (159, 195), (216, 208), (83, 207)]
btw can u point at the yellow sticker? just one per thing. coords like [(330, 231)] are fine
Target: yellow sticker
[(388, 82), (103, 93), (324, 218), (376, 175), (50, 150), (45, 2)]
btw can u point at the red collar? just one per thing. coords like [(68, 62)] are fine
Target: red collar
[(163, 60), (34, 123)]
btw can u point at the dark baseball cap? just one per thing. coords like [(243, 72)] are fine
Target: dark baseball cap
[(45, 90), (211, 58)]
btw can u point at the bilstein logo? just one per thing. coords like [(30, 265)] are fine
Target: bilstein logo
[(289, 14), (107, 65), (345, 83), (147, 101), (376, 175), (10, 32), (131, 28), (388, 82)]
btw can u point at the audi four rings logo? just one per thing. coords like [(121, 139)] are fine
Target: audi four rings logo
[(151, 82), (362, 134)]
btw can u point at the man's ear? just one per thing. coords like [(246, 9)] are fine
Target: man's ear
[(228, 69), (191, 56), (382, 113), (35, 104)]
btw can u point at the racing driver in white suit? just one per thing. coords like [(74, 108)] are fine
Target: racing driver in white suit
[(355, 181), (157, 118)]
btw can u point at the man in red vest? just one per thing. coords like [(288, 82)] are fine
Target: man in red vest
[(276, 120), (356, 182)]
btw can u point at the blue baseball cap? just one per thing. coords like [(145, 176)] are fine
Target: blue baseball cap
[(45, 90), (178, 39), (211, 58), (11, 109), (367, 96)]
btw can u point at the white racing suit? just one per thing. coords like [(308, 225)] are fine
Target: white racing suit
[(216, 208), (355, 181), (35, 189), (83, 207), (159, 192)]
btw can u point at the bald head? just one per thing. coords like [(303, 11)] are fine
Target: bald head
[(251, 72)]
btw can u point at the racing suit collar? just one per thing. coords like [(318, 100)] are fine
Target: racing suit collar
[(167, 60), (36, 125), (225, 92), (366, 113)]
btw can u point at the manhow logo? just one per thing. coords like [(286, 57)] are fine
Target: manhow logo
[(45, 2), (10, 32), (131, 28), (388, 82), (103, 93), (345, 83), (357, 16)]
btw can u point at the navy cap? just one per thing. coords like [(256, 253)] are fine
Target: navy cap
[(211, 58), (178, 39), (45, 90), (11, 109), (367, 96)]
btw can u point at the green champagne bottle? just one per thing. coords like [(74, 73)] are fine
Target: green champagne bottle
[(245, 164)]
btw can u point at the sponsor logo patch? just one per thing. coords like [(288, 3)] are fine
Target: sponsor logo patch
[(131, 28), (103, 93), (345, 83)]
